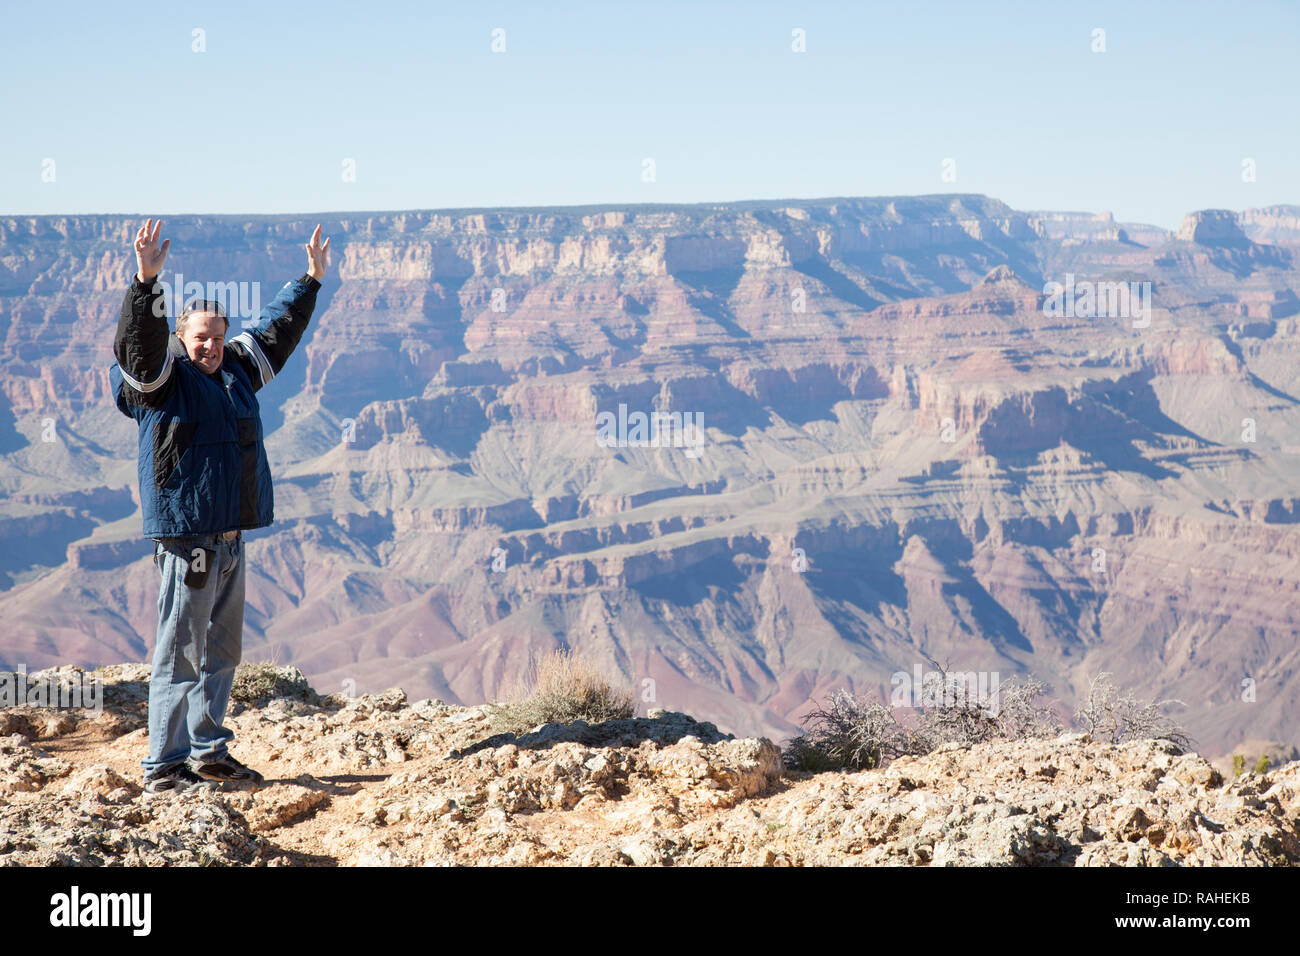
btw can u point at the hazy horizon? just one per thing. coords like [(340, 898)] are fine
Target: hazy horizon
[(290, 214), (326, 107)]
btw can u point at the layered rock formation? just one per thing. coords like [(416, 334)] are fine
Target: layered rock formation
[(903, 452), (1272, 224), (1211, 227)]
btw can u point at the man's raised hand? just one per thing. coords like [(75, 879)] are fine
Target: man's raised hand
[(149, 256), (316, 258)]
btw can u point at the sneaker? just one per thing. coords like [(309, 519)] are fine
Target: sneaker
[(226, 770), (176, 778)]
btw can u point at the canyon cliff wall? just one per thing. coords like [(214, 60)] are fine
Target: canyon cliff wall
[(897, 449)]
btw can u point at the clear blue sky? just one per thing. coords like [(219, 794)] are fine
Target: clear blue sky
[(136, 122)]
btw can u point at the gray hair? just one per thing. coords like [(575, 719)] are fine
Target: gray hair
[(200, 305)]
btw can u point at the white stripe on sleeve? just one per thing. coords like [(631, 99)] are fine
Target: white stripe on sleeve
[(157, 383), (254, 350)]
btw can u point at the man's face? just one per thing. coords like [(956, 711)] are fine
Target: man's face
[(204, 339)]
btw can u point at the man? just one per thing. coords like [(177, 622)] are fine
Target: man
[(204, 479)]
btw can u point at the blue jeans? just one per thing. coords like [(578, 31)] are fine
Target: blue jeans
[(199, 643)]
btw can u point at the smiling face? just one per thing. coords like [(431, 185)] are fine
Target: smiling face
[(204, 336)]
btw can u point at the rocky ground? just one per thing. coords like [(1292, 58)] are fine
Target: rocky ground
[(380, 780)]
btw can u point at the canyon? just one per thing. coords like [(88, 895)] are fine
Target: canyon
[(904, 456)]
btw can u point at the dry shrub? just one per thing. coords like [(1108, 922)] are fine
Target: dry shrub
[(851, 734), (854, 734), (1117, 717), (561, 689), (255, 683)]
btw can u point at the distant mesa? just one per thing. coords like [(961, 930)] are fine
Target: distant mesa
[(1212, 227), (1271, 224)]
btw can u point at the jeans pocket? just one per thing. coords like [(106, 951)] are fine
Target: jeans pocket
[(199, 567)]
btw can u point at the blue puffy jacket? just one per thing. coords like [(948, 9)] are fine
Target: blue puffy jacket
[(202, 465)]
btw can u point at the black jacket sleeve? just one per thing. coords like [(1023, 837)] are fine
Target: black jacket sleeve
[(141, 344), (267, 345)]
